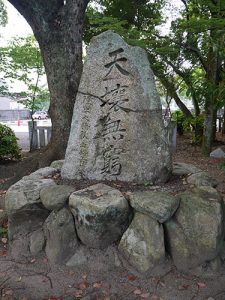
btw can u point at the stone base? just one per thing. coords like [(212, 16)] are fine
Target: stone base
[(137, 232)]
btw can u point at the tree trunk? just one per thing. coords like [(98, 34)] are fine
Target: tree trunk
[(58, 28), (209, 130)]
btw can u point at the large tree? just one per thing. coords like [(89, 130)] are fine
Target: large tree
[(58, 27)]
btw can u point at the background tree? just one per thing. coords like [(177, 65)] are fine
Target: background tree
[(3, 14), (3, 22), (190, 56), (23, 63), (58, 28)]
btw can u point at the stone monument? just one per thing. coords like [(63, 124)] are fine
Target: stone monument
[(117, 131)]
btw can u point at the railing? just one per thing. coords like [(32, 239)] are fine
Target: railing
[(39, 136)]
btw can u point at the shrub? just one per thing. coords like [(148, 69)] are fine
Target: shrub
[(8, 144)]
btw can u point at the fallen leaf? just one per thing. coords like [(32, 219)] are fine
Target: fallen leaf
[(131, 277), (144, 295), (19, 279), (71, 272), (78, 294), (162, 284), (183, 287), (98, 194), (84, 276), (33, 260), (4, 240), (137, 292), (201, 285), (9, 292), (83, 285), (3, 253), (154, 297), (97, 285)]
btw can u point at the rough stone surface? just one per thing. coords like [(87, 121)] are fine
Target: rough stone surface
[(37, 242), (202, 179), (61, 239), (160, 206), (57, 164), (101, 215), (195, 234), (218, 153), (21, 227), (143, 243), (3, 216), (55, 197), (181, 169), (25, 192), (41, 173), (117, 132)]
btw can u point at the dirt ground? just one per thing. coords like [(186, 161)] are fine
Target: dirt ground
[(38, 280)]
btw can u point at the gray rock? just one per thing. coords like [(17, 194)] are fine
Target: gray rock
[(57, 164), (195, 234), (78, 259), (41, 173), (218, 153), (21, 227), (160, 206), (55, 196), (202, 179), (143, 243), (25, 192), (3, 216), (101, 215), (61, 239), (37, 242), (117, 132), (181, 169)]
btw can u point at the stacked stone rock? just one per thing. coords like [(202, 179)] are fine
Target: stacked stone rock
[(146, 227)]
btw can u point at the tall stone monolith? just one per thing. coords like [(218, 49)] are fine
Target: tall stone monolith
[(117, 131)]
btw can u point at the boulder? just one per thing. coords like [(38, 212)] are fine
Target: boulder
[(37, 242), (158, 205), (57, 164), (22, 228), (117, 131), (60, 234), (101, 215), (181, 169), (41, 173), (195, 234), (55, 196), (202, 179), (142, 244), (24, 193), (218, 153)]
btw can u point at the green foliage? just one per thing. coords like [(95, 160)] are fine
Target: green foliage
[(222, 165), (180, 119), (3, 14), (191, 125), (3, 232), (23, 63), (8, 144)]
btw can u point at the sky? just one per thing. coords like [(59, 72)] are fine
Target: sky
[(17, 26)]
